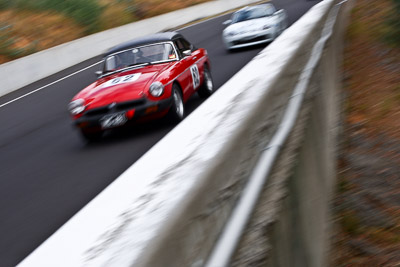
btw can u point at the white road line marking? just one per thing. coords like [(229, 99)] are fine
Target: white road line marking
[(47, 85)]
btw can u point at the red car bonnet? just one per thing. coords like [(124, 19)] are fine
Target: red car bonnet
[(120, 87)]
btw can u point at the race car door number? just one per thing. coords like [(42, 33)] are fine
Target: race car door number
[(195, 76), (113, 120)]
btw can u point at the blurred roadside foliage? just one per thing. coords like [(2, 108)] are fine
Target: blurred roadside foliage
[(393, 35), (28, 26), (85, 12), (7, 44)]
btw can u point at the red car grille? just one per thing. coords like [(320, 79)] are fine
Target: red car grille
[(115, 107)]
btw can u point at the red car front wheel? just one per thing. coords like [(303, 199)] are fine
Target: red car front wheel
[(177, 110)]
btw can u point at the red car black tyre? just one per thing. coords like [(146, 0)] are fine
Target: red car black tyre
[(177, 110), (207, 88)]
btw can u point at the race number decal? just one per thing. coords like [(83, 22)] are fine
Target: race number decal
[(195, 76), (122, 79)]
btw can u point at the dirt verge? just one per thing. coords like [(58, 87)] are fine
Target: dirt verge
[(367, 203)]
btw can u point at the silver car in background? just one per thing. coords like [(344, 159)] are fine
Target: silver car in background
[(254, 25)]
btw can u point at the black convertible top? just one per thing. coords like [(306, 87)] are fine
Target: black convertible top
[(149, 39)]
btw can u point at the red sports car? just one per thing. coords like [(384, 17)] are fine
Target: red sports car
[(147, 78)]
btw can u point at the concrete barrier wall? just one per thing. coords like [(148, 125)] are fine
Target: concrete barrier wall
[(24, 71), (292, 222), (170, 206)]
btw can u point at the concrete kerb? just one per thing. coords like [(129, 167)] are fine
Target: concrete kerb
[(24, 71)]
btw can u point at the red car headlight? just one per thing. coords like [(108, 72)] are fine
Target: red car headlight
[(76, 106), (156, 89)]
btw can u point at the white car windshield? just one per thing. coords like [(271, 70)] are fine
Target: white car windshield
[(253, 13), (149, 54)]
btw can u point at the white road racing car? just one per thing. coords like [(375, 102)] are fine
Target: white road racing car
[(254, 25)]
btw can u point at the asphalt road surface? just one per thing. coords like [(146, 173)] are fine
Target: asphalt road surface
[(48, 172)]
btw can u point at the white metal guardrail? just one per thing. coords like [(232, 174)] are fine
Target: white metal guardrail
[(169, 208)]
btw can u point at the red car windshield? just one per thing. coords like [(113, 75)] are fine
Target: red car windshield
[(153, 53)]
